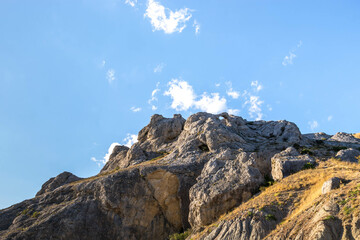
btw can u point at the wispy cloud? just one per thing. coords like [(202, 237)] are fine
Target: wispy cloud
[(253, 102), (101, 162), (196, 25), (289, 59), (135, 109), (231, 92), (153, 98), (159, 68), (330, 118), (313, 124), (164, 19), (110, 75), (131, 2), (130, 139), (256, 85)]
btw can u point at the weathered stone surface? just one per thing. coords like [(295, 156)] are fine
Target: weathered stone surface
[(180, 172), (287, 162), (221, 186), (317, 136), (117, 159), (344, 137), (349, 155), (58, 181), (332, 183)]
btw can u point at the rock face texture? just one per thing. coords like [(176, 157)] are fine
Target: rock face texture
[(332, 183), (181, 174), (349, 155), (287, 162)]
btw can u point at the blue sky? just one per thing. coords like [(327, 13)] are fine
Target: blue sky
[(78, 76)]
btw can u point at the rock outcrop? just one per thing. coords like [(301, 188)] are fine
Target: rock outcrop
[(181, 174), (348, 155)]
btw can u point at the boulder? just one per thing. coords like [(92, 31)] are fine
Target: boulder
[(344, 137), (332, 183), (221, 186), (58, 181), (288, 162), (117, 159), (349, 155)]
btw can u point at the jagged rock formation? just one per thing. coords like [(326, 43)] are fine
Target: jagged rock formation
[(184, 174)]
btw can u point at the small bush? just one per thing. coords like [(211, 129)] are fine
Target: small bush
[(35, 214), (180, 236), (306, 151), (330, 217), (342, 202), (338, 148), (270, 217), (250, 213), (348, 210), (308, 165)]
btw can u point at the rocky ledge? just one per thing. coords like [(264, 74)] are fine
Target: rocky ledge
[(208, 173)]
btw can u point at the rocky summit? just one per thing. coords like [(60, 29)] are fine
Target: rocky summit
[(205, 177)]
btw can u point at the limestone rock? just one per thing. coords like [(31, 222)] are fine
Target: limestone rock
[(58, 181), (344, 137), (117, 159), (287, 162), (349, 155), (332, 183), (221, 186), (317, 136)]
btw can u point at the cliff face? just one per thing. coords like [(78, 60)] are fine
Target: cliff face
[(202, 173)]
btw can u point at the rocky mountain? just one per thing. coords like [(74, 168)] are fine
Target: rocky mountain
[(206, 177)]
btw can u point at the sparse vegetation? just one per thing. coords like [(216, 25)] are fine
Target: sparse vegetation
[(35, 214), (338, 148), (308, 165), (270, 217), (330, 217), (306, 151), (180, 236)]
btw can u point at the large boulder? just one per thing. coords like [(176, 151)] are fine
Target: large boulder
[(221, 186), (58, 181), (332, 183), (349, 155), (344, 137), (117, 159), (288, 162)]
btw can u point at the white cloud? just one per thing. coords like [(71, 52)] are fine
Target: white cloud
[(233, 111), (330, 118), (135, 109), (130, 139), (153, 98), (288, 59), (269, 107), (131, 2), (162, 18), (110, 75), (101, 162), (211, 104), (159, 68), (196, 25), (231, 92), (255, 110), (182, 94), (217, 84), (313, 124), (256, 85)]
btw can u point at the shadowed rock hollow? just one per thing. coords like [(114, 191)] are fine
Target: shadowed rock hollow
[(180, 174)]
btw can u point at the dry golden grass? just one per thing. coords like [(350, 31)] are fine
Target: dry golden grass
[(357, 135), (296, 193)]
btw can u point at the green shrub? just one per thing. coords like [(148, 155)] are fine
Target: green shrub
[(330, 217), (306, 151), (35, 214), (270, 217), (180, 236), (250, 213), (308, 165)]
